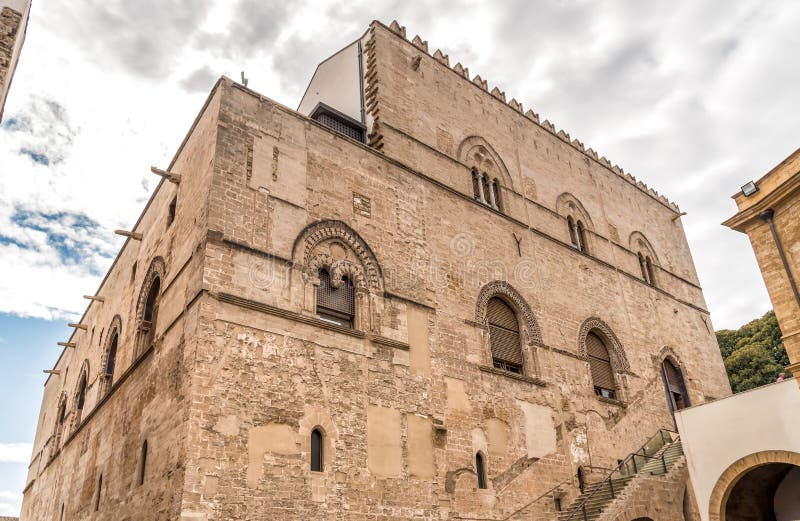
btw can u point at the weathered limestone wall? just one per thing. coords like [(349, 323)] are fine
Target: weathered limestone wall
[(268, 371), (146, 401), (779, 191), (13, 21)]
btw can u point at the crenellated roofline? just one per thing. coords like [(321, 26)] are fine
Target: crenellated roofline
[(482, 84)]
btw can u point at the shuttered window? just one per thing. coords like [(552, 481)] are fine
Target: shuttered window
[(676, 390), (600, 364), (335, 305), (504, 336)]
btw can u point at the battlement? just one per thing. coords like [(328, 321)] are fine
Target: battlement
[(532, 116)]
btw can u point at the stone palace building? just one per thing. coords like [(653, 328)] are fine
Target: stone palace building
[(408, 299)]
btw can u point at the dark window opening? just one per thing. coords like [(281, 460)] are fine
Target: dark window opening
[(147, 324), (335, 305), (480, 470), (558, 504), (133, 272), (112, 358), (583, 246), (338, 122), (677, 397), (496, 194), (316, 451), (476, 191), (172, 208), (99, 492), (600, 365), (81, 393), (504, 336), (651, 277), (143, 463)]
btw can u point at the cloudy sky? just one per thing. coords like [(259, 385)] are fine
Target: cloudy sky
[(694, 98)]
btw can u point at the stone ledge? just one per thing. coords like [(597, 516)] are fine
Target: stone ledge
[(612, 401), (515, 376), (283, 313), (382, 340)]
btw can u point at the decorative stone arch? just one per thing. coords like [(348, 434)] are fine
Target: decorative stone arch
[(475, 151), (77, 415), (310, 253), (637, 242), (115, 328), (619, 362), (58, 429), (530, 332), (157, 269), (732, 475), (567, 204), (333, 245), (145, 333), (315, 417)]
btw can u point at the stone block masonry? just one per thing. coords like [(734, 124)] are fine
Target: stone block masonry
[(249, 383)]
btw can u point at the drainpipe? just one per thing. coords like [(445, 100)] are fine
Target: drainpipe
[(767, 215)]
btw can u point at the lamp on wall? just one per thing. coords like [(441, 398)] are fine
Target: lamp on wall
[(749, 189)]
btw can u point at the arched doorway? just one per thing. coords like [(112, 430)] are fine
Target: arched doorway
[(767, 492), (762, 486), (677, 397)]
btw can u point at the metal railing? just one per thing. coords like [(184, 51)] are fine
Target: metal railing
[(628, 468)]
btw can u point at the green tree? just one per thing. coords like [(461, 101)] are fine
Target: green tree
[(753, 354)]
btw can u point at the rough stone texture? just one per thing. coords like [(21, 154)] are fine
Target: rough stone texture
[(779, 191), (243, 370), (12, 33)]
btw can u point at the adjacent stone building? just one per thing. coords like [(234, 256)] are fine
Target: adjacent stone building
[(410, 299), (13, 23), (769, 213), (743, 452)]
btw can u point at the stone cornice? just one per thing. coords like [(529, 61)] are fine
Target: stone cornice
[(786, 189)]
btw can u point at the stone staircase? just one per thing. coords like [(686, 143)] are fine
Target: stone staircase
[(596, 497)]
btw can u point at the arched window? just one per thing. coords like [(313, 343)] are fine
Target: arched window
[(486, 190), (651, 277), (480, 470), (80, 399), (142, 463), (147, 324), (316, 451), (577, 234), (111, 360), (495, 200), (61, 416), (581, 232), (643, 267), (677, 397), (573, 233), (335, 305), (476, 185), (504, 336), (600, 364), (99, 492)]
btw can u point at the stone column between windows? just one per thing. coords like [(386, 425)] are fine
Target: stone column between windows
[(480, 188), (492, 201)]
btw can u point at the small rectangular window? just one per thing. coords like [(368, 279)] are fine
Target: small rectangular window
[(172, 207), (133, 272)]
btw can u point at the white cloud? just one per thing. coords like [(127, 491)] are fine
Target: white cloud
[(15, 453), (693, 98), (10, 503)]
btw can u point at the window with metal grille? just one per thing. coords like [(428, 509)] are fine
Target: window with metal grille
[(600, 365), (341, 126), (504, 336), (316, 451), (335, 305)]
